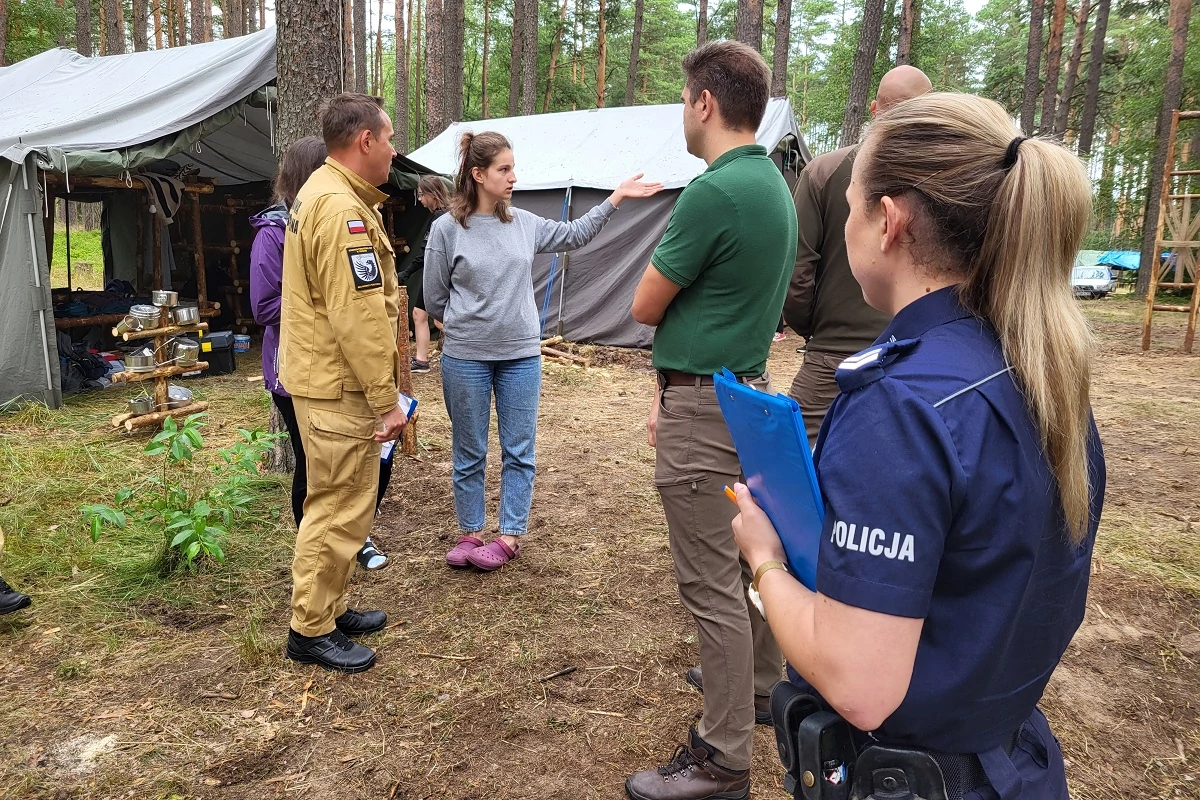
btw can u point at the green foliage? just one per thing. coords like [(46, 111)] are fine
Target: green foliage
[(35, 26), (192, 522)]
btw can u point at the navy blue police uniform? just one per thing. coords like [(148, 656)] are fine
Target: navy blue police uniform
[(941, 505)]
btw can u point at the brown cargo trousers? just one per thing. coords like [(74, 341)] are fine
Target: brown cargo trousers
[(694, 459), (343, 480), (815, 388)]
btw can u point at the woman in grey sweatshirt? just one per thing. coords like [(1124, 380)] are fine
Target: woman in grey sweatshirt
[(479, 283)]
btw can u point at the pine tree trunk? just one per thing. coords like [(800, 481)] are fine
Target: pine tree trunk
[(750, 23), (435, 81), (3, 31), (251, 16), (578, 40), (308, 62), (702, 23), (83, 28), (1033, 66), (529, 57), (379, 80), (114, 30), (416, 66), (1053, 62), (141, 15), (180, 16), (783, 44), (864, 67), (483, 76), (514, 59), (556, 48), (400, 123), (359, 9), (904, 41), (197, 10), (347, 11), (454, 23), (1068, 92), (601, 58), (1091, 94), (1181, 11), (639, 9)]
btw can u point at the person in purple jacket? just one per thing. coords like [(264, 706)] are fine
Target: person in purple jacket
[(266, 297)]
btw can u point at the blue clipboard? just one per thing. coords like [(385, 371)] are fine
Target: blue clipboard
[(768, 432)]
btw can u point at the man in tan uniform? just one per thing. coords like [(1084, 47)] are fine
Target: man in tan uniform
[(338, 359)]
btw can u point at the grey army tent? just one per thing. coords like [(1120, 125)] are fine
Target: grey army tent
[(207, 105), (570, 161), (207, 108)]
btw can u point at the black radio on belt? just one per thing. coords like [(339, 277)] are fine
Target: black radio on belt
[(817, 750)]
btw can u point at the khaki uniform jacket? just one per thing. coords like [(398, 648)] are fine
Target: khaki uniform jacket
[(341, 304)]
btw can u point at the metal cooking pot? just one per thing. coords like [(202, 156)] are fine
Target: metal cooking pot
[(128, 325), (141, 405), (148, 316), (186, 315), (185, 352), (161, 297), (141, 361), (178, 396)]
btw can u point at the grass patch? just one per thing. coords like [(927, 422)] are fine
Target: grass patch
[(86, 248), (53, 462)]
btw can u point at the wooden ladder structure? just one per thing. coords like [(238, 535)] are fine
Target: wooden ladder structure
[(1179, 232)]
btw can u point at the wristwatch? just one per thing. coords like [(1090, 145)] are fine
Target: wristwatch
[(752, 590)]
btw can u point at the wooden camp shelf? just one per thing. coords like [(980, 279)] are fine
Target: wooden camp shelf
[(161, 372), (170, 330), (144, 420)]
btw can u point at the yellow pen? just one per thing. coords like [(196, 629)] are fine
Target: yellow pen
[(729, 493)]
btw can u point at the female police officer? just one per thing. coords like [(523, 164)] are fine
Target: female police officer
[(961, 469)]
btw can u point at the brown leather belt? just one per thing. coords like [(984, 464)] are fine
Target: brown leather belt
[(670, 377)]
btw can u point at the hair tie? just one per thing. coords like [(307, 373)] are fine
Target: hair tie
[(1010, 155)]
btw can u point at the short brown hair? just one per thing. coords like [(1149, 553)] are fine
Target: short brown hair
[(736, 75), (345, 115)]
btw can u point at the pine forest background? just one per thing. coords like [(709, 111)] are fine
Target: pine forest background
[(1093, 72)]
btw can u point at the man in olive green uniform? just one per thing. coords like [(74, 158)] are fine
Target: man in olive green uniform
[(714, 289), (339, 360), (824, 303)]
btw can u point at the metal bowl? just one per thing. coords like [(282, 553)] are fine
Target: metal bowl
[(162, 297), (141, 361), (178, 396), (141, 405), (186, 315)]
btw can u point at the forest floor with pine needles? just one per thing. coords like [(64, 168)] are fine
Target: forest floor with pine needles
[(555, 677)]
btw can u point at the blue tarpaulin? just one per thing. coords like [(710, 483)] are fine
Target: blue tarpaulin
[(1121, 259)]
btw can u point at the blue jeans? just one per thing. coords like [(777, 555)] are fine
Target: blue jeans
[(467, 387)]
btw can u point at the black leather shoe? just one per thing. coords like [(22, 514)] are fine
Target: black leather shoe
[(11, 600), (762, 705), (331, 651), (356, 623)]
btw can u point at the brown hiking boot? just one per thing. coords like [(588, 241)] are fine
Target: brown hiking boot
[(762, 703), (691, 775)]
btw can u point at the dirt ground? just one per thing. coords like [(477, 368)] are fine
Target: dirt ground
[(464, 702)]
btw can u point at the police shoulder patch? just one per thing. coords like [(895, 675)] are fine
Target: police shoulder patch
[(364, 266), (868, 366)]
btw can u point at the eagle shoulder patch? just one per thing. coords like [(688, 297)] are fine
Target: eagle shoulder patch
[(364, 266)]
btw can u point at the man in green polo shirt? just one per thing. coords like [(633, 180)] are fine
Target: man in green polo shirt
[(715, 288)]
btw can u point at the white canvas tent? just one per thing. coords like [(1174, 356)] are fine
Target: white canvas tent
[(568, 162), (206, 105)]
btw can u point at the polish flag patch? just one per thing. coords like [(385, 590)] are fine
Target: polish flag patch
[(356, 226)]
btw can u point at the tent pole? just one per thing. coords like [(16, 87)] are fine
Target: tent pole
[(67, 220), (562, 285), (37, 283)]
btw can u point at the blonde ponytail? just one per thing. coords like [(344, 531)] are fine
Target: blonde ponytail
[(1007, 217)]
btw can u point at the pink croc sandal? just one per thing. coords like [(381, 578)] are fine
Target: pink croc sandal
[(493, 555), (457, 557)]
